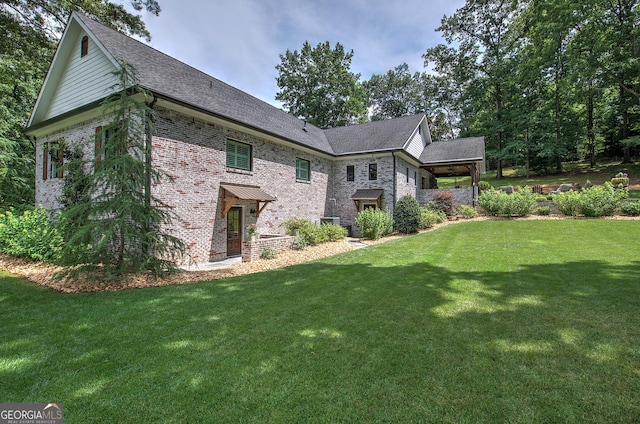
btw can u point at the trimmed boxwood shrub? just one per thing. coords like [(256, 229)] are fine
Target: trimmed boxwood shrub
[(406, 215), (374, 223)]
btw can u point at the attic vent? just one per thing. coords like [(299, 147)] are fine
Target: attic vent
[(84, 46)]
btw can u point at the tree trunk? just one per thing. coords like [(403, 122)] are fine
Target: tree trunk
[(591, 136)]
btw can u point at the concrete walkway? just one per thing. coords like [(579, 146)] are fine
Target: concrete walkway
[(208, 266)]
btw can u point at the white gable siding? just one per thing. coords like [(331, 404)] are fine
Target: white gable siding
[(415, 145), (84, 80)]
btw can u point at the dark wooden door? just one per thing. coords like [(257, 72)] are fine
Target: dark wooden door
[(234, 232)]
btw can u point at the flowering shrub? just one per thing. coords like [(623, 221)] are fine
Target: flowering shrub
[(621, 178), (252, 229)]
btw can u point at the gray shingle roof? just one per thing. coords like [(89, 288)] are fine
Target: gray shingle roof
[(171, 78), (389, 134), (179, 82), (458, 150)]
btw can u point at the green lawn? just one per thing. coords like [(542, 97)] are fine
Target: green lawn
[(496, 321), (574, 173)]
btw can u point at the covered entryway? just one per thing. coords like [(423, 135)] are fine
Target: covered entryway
[(234, 233), (233, 212), (368, 198)]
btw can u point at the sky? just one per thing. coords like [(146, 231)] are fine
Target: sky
[(240, 41)]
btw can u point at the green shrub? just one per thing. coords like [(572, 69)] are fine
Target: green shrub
[(334, 232), (484, 186), (467, 212), (444, 201), (543, 210), (406, 215), (374, 223), (30, 235), (601, 200), (567, 202), (268, 253), (499, 203), (430, 217), (294, 224), (312, 234), (299, 244), (630, 208)]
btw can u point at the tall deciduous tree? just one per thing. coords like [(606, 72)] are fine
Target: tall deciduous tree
[(115, 221), (482, 43), (318, 85), (29, 30)]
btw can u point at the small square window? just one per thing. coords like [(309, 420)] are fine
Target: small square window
[(351, 173), (303, 169), (373, 171)]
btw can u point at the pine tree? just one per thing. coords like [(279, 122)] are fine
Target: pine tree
[(117, 224)]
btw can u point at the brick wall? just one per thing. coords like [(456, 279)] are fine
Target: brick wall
[(48, 191), (253, 249), (192, 152)]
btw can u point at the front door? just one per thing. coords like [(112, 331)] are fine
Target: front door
[(234, 233)]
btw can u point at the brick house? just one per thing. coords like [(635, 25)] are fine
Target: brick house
[(234, 160)]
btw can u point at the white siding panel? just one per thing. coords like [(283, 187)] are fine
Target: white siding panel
[(84, 80), (416, 145)]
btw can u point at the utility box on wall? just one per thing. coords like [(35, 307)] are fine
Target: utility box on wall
[(335, 220)]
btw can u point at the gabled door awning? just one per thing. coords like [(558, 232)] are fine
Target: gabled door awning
[(371, 194), (231, 193)]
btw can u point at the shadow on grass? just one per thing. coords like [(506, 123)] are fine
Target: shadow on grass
[(331, 341)]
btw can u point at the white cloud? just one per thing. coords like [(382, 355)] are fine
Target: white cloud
[(240, 42)]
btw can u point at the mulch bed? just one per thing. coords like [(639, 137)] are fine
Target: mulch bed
[(44, 274)]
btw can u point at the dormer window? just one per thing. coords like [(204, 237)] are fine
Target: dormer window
[(84, 46)]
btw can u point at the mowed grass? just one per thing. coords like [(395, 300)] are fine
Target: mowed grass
[(578, 172), (496, 321)]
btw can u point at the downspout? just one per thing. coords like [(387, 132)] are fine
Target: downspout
[(395, 177), (147, 154)]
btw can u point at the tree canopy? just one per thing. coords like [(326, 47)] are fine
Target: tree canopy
[(29, 31), (316, 83)]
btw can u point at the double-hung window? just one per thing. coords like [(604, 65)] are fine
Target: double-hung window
[(303, 170), (351, 173), (373, 171), (105, 144), (238, 155)]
